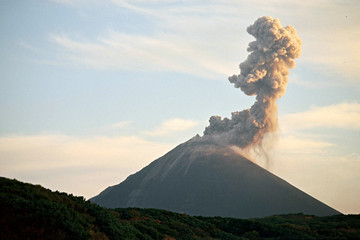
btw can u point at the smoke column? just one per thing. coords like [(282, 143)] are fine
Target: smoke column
[(264, 74)]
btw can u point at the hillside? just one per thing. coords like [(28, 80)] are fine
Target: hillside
[(33, 212)]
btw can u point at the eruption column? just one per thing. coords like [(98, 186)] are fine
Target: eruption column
[(264, 74)]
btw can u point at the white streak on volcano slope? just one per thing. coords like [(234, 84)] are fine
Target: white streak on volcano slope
[(264, 74)]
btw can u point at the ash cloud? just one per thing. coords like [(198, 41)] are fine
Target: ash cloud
[(265, 74)]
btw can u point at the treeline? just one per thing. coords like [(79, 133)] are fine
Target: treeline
[(32, 212)]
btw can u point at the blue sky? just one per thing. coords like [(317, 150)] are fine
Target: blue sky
[(92, 91)]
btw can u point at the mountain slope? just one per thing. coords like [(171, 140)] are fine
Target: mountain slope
[(206, 179)]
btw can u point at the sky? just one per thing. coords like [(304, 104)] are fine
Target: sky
[(93, 91)]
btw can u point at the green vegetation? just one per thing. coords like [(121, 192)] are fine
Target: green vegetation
[(33, 212)]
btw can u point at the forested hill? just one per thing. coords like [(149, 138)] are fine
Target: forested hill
[(32, 212)]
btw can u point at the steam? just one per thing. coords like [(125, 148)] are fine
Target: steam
[(264, 74)]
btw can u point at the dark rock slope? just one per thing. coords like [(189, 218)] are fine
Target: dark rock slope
[(204, 178)]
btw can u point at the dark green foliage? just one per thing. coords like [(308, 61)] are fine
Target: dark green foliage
[(28, 210), (33, 212)]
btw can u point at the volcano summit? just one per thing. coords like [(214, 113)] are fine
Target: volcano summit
[(205, 175), (204, 178)]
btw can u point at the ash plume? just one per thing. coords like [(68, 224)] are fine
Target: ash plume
[(264, 74)]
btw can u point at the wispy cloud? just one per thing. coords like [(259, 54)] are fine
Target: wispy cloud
[(76, 3), (343, 116), (28, 46), (297, 144), (27, 157), (337, 53), (113, 129), (293, 140), (30, 152), (120, 125), (185, 39), (172, 126), (313, 163), (314, 83), (163, 52)]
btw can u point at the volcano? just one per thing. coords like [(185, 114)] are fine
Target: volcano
[(203, 178)]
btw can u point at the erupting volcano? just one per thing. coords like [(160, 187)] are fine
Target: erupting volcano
[(205, 175)]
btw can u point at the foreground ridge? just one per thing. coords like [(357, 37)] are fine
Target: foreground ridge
[(33, 212)]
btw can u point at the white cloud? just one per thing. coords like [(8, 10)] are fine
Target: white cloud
[(183, 39), (134, 52), (311, 162), (73, 161), (333, 43), (314, 83), (172, 126), (76, 3), (210, 39), (293, 141), (29, 152), (120, 125), (343, 115), (337, 52), (297, 144)]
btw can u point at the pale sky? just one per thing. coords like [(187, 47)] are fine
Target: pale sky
[(93, 91)]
